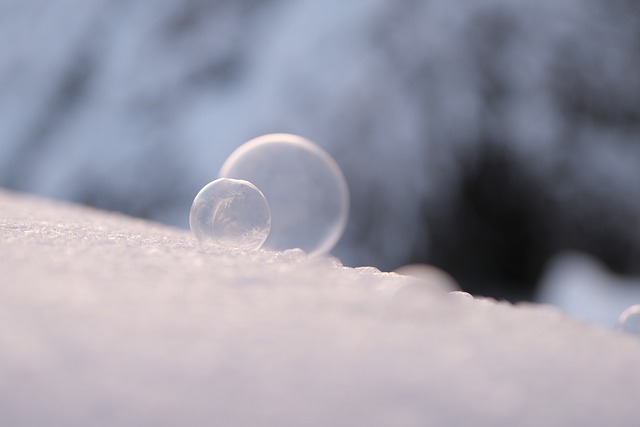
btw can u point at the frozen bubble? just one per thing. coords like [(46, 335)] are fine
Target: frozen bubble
[(230, 213), (430, 275), (306, 190), (629, 320)]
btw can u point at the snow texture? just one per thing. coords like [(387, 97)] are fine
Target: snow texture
[(111, 321)]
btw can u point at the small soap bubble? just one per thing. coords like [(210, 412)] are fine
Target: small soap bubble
[(629, 320), (306, 190), (486, 300), (430, 276), (230, 213)]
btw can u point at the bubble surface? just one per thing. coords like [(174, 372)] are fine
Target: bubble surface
[(305, 187), (629, 320), (230, 213)]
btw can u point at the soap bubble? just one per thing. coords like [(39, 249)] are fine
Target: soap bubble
[(230, 213), (306, 190), (430, 276), (629, 320)]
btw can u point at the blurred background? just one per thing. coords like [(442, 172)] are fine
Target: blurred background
[(496, 139)]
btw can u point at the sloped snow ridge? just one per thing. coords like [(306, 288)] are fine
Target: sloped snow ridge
[(107, 320)]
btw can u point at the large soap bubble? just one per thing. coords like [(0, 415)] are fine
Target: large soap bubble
[(306, 190), (230, 213)]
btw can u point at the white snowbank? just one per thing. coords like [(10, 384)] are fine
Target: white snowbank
[(108, 321)]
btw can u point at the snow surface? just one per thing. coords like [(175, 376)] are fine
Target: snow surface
[(111, 321)]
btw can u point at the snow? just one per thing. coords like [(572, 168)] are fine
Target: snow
[(109, 320)]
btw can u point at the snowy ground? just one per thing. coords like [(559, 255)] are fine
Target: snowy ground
[(111, 321)]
